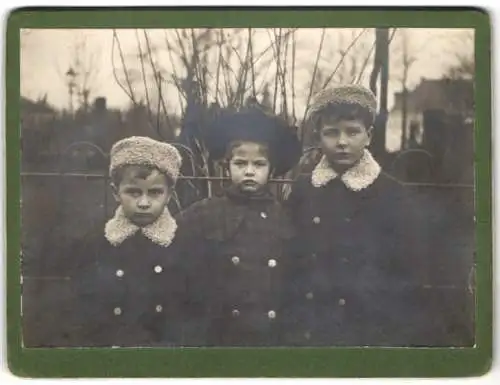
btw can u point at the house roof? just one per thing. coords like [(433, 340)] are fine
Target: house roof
[(41, 107), (445, 94)]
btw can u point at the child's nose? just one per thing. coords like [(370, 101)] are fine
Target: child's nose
[(143, 202), (250, 170), (342, 139)]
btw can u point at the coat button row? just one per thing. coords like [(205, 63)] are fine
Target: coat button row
[(120, 273), (270, 263), (317, 220), (270, 314), (263, 215), (310, 296), (118, 310)]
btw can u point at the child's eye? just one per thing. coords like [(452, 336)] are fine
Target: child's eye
[(133, 191), (156, 191), (352, 132), (239, 163), (261, 164), (331, 133)]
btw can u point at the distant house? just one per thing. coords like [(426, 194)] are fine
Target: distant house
[(35, 113), (37, 132), (453, 97)]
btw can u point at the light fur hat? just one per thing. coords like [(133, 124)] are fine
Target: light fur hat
[(352, 94), (140, 150)]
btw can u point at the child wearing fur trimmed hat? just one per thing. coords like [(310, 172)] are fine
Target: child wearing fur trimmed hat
[(238, 241), (352, 282), (125, 282)]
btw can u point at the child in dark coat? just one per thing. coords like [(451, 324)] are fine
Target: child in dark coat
[(238, 242), (354, 281), (124, 283)]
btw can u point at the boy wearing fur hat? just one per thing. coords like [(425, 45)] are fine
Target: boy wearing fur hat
[(125, 282), (351, 283), (238, 240)]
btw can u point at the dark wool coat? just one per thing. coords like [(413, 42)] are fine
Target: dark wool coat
[(124, 295), (355, 277), (235, 256)]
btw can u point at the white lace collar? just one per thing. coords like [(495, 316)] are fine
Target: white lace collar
[(357, 178), (161, 232)]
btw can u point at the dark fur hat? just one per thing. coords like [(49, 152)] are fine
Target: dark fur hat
[(254, 125), (350, 95)]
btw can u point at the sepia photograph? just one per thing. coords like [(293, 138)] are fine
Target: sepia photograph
[(247, 187)]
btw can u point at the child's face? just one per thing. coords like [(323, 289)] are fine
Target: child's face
[(249, 166), (142, 194), (343, 141)]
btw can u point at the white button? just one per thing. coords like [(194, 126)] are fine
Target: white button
[(347, 219), (307, 335), (119, 273), (271, 263), (310, 295), (158, 269), (263, 215), (235, 260), (159, 308), (316, 220), (342, 302), (271, 314), (117, 311), (236, 313)]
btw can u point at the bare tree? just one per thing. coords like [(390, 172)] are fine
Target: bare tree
[(81, 73), (464, 66), (203, 70), (407, 56)]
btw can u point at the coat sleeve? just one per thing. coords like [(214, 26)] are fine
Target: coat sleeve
[(423, 326), (292, 271), (192, 245), (51, 321)]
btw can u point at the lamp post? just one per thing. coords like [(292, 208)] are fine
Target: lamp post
[(71, 79)]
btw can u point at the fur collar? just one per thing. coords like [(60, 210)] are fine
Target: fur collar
[(161, 232), (357, 178)]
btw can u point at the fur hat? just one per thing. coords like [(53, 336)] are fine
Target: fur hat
[(139, 150), (345, 95), (255, 125)]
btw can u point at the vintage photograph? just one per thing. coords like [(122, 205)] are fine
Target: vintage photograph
[(247, 187)]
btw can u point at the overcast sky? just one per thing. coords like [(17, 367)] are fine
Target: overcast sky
[(47, 54)]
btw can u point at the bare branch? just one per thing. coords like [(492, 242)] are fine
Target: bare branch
[(365, 63), (250, 42), (314, 72), (343, 56), (294, 56), (141, 58), (175, 77), (129, 92), (276, 52), (158, 80), (219, 63)]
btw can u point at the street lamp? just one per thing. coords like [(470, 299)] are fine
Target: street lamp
[(71, 76)]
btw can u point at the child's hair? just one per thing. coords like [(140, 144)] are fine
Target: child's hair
[(143, 171), (343, 111)]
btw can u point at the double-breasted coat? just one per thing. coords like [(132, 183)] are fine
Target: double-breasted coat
[(354, 279), (125, 294), (235, 253)]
